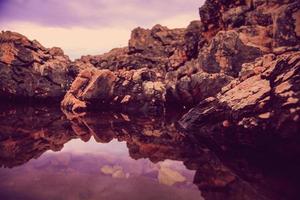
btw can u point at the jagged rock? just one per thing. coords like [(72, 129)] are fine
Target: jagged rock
[(133, 90), (226, 53), (280, 18), (193, 40), (286, 24), (189, 90), (264, 101), (29, 70), (186, 61), (160, 49)]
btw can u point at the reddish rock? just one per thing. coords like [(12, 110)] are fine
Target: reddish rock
[(30, 71), (130, 91), (266, 103)]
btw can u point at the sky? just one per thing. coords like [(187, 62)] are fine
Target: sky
[(91, 27)]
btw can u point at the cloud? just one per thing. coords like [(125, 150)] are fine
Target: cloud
[(84, 27), (93, 13)]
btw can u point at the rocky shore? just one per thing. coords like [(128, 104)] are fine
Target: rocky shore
[(237, 68)]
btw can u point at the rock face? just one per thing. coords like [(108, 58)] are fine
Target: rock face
[(263, 100), (184, 66), (126, 90), (197, 62), (30, 71), (169, 57)]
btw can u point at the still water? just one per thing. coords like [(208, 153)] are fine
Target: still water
[(48, 154)]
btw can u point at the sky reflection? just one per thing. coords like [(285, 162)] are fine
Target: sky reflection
[(97, 171)]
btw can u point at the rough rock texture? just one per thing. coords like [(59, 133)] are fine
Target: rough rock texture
[(196, 62), (126, 90), (263, 100), (30, 71), (256, 43), (279, 18), (191, 64), (171, 55), (226, 53)]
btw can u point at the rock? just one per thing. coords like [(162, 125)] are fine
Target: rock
[(266, 103), (226, 53), (169, 66), (286, 25), (193, 39), (30, 71), (103, 89)]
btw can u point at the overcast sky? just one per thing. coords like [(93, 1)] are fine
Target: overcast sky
[(84, 27)]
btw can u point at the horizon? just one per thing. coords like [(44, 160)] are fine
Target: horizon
[(94, 27)]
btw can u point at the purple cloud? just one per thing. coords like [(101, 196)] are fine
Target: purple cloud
[(92, 13)]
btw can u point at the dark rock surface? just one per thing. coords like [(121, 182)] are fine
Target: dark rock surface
[(129, 91), (190, 64), (197, 62), (30, 71), (259, 107)]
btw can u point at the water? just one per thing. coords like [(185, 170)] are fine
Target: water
[(48, 154)]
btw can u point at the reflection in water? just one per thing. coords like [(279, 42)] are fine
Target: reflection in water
[(47, 154)]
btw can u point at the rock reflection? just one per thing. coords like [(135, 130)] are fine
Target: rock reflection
[(28, 132)]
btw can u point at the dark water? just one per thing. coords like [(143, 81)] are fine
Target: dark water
[(48, 154)]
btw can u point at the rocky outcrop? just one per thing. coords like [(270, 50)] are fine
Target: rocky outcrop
[(197, 62), (262, 105), (30, 71), (279, 19), (172, 56), (127, 90), (189, 64)]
